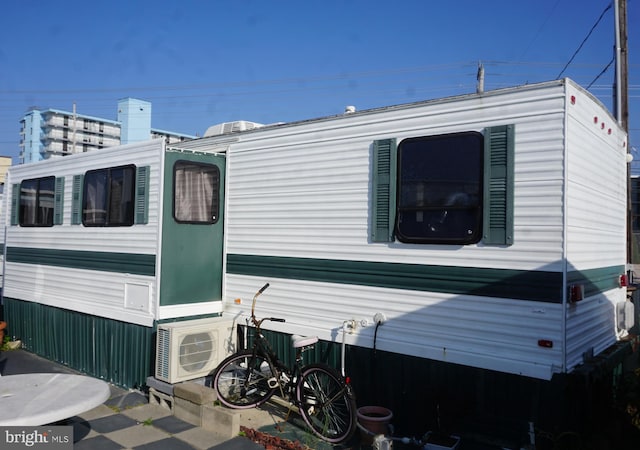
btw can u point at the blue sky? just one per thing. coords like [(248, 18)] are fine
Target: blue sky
[(204, 62)]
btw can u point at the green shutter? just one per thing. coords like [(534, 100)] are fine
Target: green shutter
[(384, 190), (142, 195), (15, 203), (76, 200), (498, 185), (58, 205)]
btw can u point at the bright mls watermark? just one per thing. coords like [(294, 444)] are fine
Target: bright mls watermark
[(59, 437)]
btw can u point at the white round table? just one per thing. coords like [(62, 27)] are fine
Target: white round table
[(33, 399)]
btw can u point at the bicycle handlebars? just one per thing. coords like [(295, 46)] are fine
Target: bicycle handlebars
[(255, 297), (253, 307)]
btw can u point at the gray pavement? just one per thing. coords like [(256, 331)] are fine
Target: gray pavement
[(128, 421)]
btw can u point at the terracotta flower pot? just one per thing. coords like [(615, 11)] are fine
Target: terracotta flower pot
[(375, 419), (3, 325)]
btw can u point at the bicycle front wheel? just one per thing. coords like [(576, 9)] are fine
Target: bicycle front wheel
[(241, 380), (326, 402)]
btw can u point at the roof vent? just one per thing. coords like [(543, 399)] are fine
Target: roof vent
[(349, 109), (231, 127)]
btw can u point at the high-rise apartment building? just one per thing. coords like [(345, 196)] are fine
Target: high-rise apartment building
[(51, 132)]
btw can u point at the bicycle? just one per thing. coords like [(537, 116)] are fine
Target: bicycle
[(250, 377)]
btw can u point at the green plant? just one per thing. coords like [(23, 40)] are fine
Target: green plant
[(309, 440), (631, 397), (5, 341), (626, 395), (148, 422)]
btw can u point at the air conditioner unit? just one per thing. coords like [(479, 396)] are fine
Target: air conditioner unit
[(193, 348), (231, 127)]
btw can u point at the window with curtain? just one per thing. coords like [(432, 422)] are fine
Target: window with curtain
[(108, 197), (37, 202), (196, 189)]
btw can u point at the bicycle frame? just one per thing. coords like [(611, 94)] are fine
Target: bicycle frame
[(262, 348), (322, 396)]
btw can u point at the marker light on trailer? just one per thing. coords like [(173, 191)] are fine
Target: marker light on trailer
[(546, 343), (623, 281), (576, 293)]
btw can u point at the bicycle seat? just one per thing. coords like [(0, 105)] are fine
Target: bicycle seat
[(303, 341)]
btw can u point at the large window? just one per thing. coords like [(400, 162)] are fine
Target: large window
[(440, 189), (108, 197), (37, 202), (444, 189), (196, 192)]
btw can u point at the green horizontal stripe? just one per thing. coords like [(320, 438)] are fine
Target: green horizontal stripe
[(103, 261), (536, 285), (596, 281)]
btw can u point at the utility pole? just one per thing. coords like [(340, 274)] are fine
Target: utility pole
[(620, 101), (73, 134), (480, 78), (621, 96), (624, 68)]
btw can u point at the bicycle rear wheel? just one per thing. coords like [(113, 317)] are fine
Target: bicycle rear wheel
[(241, 380), (326, 402)]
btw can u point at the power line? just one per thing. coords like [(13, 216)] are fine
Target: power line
[(234, 84), (544, 23), (585, 40), (602, 73), (299, 81), (393, 86)]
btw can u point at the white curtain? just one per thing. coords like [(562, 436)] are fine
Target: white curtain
[(95, 208), (194, 190), (28, 209)]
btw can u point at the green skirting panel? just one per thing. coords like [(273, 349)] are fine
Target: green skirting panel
[(117, 352), (434, 395)]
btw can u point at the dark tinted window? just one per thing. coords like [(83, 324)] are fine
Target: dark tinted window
[(440, 189), (37, 202), (108, 197)]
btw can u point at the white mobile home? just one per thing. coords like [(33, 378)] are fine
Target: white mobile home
[(485, 231), (100, 247), (488, 230), (480, 236)]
